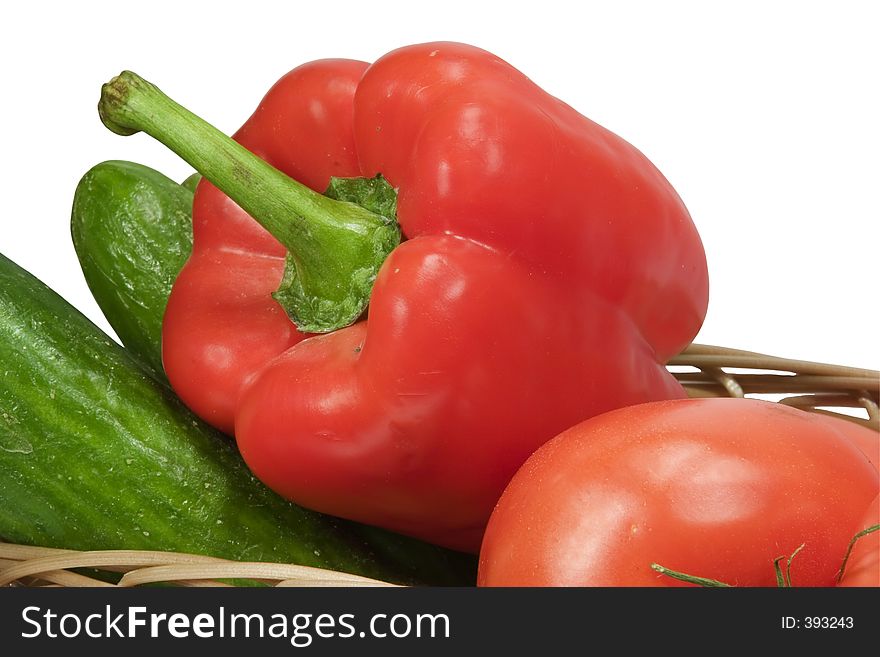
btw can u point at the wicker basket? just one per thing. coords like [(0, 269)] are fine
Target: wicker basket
[(705, 371)]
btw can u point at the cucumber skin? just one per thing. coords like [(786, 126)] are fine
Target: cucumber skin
[(132, 231), (97, 454)]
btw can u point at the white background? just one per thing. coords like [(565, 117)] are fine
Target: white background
[(763, 115)]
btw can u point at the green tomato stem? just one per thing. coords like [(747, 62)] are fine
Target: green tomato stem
[(784, 580), (849, 548), (780, 576), (692, 579)]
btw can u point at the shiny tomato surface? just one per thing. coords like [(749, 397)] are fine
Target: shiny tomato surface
[(716, 488)]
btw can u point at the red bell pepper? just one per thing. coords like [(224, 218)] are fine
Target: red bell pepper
[(548, 271)]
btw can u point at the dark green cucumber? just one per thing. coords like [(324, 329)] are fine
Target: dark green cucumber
[(97, 454), (132, 230)]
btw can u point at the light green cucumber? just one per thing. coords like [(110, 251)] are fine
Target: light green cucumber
[(132, 231)]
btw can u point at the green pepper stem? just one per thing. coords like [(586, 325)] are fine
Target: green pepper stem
[(335, 248)]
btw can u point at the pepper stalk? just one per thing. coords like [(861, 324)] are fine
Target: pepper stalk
[(335, 247)]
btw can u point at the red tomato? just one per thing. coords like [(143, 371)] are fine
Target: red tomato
[(716, 488), (865, 439), (863, 565)]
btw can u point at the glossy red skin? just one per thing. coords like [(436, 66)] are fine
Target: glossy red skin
[(549, 270), (716, 488), (222, 325), (863, 565), (867, 440)]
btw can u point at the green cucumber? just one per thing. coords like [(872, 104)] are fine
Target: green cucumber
[(97, 454), (132, 231), (191, 183)]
